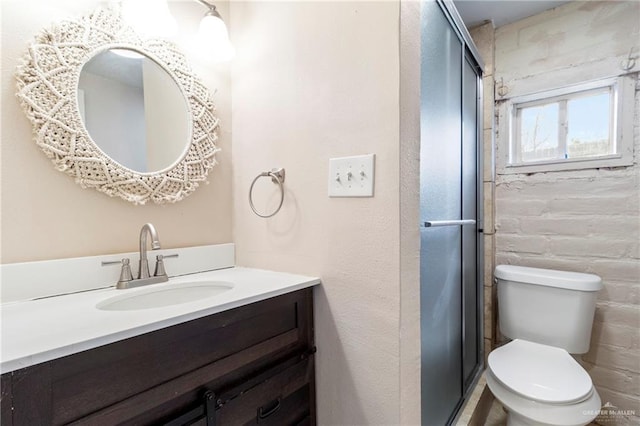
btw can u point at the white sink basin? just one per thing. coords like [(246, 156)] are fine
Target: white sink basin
[(162, 295)]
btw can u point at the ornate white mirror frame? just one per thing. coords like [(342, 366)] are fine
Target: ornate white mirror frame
[(48, 90)]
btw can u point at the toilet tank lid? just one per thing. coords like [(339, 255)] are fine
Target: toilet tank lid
[(549, 277)]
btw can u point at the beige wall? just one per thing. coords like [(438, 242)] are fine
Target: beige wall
[(45, 214), (315, 80), (410, 344), (578, 220), (312, 81)]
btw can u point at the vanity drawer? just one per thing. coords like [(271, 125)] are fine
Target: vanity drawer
[(281, 399), (282, 395), (146, 378)]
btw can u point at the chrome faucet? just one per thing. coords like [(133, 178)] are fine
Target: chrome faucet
[(143, 264), (159, 276)]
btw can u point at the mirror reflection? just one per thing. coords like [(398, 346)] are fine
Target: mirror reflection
[(133, 110)]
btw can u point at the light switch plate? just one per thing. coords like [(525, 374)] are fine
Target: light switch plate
[(352, 176)]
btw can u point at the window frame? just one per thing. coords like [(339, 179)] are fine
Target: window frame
[(622, 89)]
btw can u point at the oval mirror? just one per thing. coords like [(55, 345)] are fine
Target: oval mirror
[(133, 110), (141, 128)]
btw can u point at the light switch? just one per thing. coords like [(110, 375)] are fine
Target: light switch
[(351, 176)]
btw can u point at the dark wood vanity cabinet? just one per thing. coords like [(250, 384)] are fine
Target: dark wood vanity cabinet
[(249, 365)]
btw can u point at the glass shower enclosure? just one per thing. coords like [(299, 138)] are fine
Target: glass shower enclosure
[(450, 211)]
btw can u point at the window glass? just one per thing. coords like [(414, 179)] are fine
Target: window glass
[(539, 132), (583, 126), (589, 130), (571, 126)]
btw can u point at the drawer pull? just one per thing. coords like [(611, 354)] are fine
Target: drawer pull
[(264, 412)]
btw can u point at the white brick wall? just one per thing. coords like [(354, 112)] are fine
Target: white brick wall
[(588, 220), (585, 222)]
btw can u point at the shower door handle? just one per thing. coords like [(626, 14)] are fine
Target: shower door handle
[(435, 223)]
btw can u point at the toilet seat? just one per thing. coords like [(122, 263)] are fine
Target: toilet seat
[(540, 373), (523, 411)]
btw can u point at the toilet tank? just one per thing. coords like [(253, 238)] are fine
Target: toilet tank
[(554, 308)]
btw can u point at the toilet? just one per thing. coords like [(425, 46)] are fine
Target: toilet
[(548, 315)]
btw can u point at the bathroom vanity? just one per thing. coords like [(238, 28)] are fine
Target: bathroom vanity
[(251, 364), (244, 356)]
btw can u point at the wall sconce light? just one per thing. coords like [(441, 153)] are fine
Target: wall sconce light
[(153, 19), (213, 34)]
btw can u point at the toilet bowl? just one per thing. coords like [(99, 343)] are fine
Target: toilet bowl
[(541, 385), (549, 315)]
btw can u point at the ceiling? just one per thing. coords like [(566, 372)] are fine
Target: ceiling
[(501, 12)]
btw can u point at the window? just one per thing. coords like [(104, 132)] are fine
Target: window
[(584, 126)]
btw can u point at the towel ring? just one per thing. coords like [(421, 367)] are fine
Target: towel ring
[(277, 176)]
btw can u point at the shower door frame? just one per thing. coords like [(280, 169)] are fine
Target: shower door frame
[(471, 55)]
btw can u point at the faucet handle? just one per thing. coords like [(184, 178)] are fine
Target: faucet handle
[(125, 272), (159, 272)]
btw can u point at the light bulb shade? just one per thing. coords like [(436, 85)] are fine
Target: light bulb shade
[(213, 29), (214, 37), (150, 18)]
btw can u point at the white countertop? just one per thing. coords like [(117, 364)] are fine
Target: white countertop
[(40, 330)]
